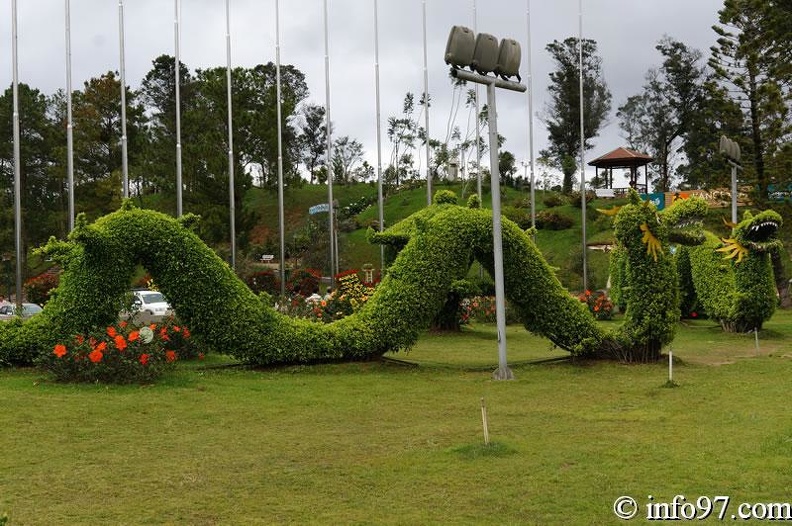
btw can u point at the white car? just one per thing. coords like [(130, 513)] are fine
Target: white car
[(151, 302)]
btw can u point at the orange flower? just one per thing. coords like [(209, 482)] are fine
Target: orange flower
[(164, 334), (144, 358), (120, 342), (153, 326), (122, 324), (170, 356), (186, 332), (79, 339), (134, 335), (101, 347), (95, 356), (177, 328), (111, 332), (60, 350)]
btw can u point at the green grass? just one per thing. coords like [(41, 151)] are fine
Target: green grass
[(402, 443)]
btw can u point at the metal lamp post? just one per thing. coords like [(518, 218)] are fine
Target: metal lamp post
[(483, 54), (731, 150)]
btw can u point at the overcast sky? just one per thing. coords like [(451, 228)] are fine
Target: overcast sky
[(626, 32)]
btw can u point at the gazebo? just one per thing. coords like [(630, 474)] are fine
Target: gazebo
[(623, 158)]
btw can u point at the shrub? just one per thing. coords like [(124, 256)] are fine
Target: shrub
[(574, 198), (552, 200), (548, 220), (263, 281), (303, 281), (37, 289), (598, 303), (119, 355)]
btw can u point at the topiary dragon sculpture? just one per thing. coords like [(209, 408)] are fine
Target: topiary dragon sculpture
[(435, 248), (733, 277)]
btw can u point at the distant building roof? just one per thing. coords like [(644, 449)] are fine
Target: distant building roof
[(621, 158)]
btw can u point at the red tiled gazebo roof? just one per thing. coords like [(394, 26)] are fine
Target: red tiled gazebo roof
[(622, 158)]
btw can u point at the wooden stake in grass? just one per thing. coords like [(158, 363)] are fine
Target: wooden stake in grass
[(756, 339), (484, 422)]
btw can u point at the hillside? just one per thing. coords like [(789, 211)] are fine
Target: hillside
[(562, 248)]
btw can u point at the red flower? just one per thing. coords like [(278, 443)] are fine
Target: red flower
[(694, 314), (79, 339), (111, 332), (177, 328), (134, 335), (101, 347), (201, 356), (120, 342), (186, 332), (164, 334), (170, 356), (60, 350), (144, 358), (96, 355), (122, 324)]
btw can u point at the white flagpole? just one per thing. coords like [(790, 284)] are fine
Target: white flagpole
[(530, 118), (231, 205), (281, 217), (331, 212), (69, 123), (379, 134), (17, 157), (582, 146), (426, 113), (124, 161), (478, 132), (177, 88)]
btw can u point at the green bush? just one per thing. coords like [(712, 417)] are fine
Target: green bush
[(553, 199), (118, 355), (549, 220)]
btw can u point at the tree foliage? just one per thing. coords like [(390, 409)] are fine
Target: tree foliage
[(562, 112)]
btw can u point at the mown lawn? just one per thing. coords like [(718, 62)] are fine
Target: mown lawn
[(401, 442)]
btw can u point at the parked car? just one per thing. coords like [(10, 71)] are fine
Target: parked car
[(8, 310), (151, 302)]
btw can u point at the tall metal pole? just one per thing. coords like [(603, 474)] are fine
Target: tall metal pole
[(69, 123), (530, 117), (379, 134), (426, 113), (479, 189), (331, 212), (281, 216), (582, 146), (733, 191), (231, 203), (17, 158), (177, 87), (122, 72), (503, 372)]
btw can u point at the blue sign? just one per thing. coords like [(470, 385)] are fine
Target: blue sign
[(657, 199), (316, 209)]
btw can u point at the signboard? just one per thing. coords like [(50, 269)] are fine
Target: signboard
[(658, 199), (321, 207)]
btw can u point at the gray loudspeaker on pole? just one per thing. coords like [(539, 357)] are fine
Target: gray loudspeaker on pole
[(731, 150)]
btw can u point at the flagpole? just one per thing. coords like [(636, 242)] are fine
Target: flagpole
[(69, 123), (479, 189), (124, 160), (17, 158), (177, 88), (281, 217), (426, 113), (530, 117), (231, 204), (379, 134), (582, 145), (331, 212)]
